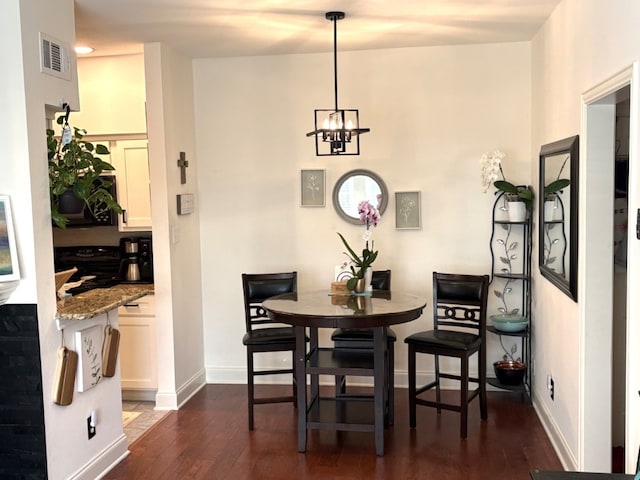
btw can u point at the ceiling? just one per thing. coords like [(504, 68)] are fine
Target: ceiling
[(223, 28)]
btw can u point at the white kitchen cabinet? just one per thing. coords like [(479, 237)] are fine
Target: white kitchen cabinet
[(138, 340), (131, 161)]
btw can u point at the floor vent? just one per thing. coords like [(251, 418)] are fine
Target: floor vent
[(54, 57)]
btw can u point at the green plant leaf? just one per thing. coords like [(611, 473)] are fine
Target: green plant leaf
[(556, 185)]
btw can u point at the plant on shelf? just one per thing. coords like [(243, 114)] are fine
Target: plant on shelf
[(75, 171), (369, 216), (491, 171)]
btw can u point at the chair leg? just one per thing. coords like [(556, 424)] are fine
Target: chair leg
[(464, 395), (294, 383), (412, 386), (250, 390), (438, 396), (391, 380), (341, 385), (482, 378)]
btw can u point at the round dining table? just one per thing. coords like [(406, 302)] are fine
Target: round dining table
[(309, 311)]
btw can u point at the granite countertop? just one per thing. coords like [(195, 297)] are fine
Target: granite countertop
[(100, 300)]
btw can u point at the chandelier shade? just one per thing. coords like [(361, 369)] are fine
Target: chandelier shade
[(336, 131)]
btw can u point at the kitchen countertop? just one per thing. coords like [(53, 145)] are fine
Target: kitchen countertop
[(95, 302)]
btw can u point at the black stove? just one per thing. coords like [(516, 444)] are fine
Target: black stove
[(100, 262)]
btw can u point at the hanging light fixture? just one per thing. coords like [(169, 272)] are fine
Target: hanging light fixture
[(337, 131)]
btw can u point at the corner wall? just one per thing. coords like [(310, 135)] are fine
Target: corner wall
[(583, 43)]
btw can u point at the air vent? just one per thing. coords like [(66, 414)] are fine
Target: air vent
[(54, 57)]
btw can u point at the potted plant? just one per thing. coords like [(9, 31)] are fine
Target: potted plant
[(518, 197), (509, 370), (551, 196), (369, 216), (74, 174)]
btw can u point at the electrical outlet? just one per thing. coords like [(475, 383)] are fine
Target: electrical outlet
[(91, 429)]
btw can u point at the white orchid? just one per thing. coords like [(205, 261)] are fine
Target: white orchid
[(490, 168)]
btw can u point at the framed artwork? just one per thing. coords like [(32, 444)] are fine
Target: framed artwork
[(89, 347), (9, 269), (408, 210), (312, 188)]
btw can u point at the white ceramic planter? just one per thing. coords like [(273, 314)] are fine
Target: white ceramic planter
[(549, 210), (517, 211)]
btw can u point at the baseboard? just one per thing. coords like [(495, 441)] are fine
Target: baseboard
[(139, 395), (174, 400), (104, 462), (556, 438), (238, 375)]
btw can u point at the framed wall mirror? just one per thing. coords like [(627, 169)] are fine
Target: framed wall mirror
[(356, 186), (558, 214)]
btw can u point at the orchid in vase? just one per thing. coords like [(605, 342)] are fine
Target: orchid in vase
[(369, 216)]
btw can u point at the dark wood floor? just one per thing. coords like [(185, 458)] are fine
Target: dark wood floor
[(208, 439)]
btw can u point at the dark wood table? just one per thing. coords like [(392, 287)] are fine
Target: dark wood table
[(314, 310), (546, 475)]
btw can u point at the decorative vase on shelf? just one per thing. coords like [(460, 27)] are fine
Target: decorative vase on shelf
[(517, 211)]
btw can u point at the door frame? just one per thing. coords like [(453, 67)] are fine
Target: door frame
[(595, 282)]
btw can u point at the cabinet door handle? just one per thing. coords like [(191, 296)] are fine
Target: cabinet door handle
[(124, 216), (131, 305)]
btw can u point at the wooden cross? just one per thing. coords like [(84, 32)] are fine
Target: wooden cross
[(183, 164)]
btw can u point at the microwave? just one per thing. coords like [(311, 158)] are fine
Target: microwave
[(84, 217)]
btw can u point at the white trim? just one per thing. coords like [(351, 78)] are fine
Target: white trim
[(554, 433), (104, 462), (595, 290)]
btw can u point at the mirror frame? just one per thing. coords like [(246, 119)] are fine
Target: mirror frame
[(347, 176), (568, 282)]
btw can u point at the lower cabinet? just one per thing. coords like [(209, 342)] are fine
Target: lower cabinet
[(138, 340)]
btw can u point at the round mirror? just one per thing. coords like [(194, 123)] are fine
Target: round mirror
[(354, 187)]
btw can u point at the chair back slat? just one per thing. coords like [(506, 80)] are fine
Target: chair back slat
[(381, 279), (460, 301), (258, 287)]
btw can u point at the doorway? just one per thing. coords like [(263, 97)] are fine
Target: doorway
[(596, 277)]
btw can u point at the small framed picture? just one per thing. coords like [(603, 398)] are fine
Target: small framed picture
[(89, 344), (9, 269), (408, 210), (312, 188)]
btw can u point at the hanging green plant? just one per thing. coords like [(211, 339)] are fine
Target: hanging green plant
[(75, 170)]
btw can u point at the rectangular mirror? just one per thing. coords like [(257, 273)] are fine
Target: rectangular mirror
[(558, 214)]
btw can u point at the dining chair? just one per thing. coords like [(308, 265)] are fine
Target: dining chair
[(262, 334), (361, 338), (459, 320)]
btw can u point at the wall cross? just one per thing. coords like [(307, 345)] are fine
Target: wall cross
[(183, 163)]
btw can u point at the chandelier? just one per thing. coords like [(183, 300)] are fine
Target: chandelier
[(337, 131)]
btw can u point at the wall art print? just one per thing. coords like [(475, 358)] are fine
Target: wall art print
[(9, 270), (408, 214), (312, 188), (89, 347)]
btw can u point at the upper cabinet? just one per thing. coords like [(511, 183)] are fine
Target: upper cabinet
[(131, 161)]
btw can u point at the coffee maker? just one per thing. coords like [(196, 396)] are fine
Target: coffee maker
[(136, 265), (129, 266)]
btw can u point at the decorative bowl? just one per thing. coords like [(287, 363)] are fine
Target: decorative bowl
[(509, 323), (509, 372)]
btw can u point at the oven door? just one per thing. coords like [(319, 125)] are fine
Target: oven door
[(84, 217)]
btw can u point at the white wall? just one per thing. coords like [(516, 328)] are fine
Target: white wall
[(25, 93), (582, 44), (176, 247), (432, 113)]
